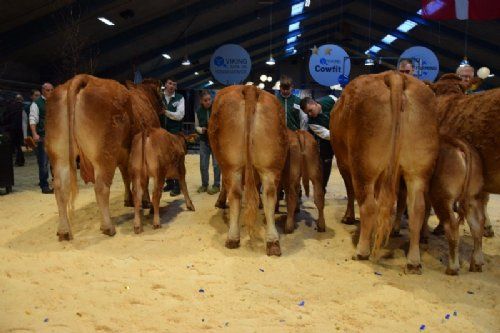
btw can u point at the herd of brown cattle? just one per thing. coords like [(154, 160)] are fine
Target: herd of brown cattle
[(392, 134)]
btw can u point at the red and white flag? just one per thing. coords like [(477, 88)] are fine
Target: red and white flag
[(461, 9)]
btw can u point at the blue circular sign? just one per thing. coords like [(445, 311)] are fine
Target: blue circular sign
[(230, 64), (327, 63), (424, 61)]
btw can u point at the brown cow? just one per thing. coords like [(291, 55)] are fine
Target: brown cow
[(95, 119), (383, 127), (303, 162), (158, 154), (472, 118), (248, 137), (458, 177)]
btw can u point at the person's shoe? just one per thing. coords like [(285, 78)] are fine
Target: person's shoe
[(167, 188), (175, 192), (202, 189), (214, 189), (47, 190)]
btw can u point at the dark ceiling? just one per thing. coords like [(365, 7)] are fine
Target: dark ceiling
[(34, 36)]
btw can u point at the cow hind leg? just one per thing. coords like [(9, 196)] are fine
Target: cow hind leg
[(319, 197), (488, 228), (182, 182), (400, 209), (62, 192), (101, 188), (368, 211), (349, 215), (476, 220), (269, 194), (291, 203), (416, 208), (234, 192), (157, 192), (128, 200), (138, 189)]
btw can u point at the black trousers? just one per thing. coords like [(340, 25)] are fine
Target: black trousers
[(326, 157)]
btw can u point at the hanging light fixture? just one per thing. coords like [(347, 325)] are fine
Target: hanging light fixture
[(270, 61), (464, 62), (185, 61), (369, 62)]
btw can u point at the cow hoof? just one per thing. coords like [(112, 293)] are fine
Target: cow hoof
[(289, 230), (395, 233), (146, 205), (221, 205), (321, 229), (451, 271), (438, 231), (138, 229), (488, 231), (64, 236), (360, 257), (413, 269), (424, 240), (232, 243), (475, 267), (156, 226), (190, 207), (109, 231), (128, 203), (273, 248), (349, 220)]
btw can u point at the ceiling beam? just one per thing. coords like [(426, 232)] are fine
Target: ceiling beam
[(457, 34), (174, 47), (43, 27), (404, 36)]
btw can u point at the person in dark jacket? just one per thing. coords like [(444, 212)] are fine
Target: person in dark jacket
[(202, 117), (171, 120), (318, 113), (14, 120), (37, 125)]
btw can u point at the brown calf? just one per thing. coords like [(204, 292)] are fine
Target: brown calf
[(303, 162), (458, 177), (160, 155)]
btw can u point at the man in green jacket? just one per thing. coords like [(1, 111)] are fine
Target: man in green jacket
[(171, 120), (37, 125), (318, 113), (294, 118)]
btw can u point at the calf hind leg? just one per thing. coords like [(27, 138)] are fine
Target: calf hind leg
[(61, 190), (182, 182), (234, 192), (101, 188), (476, 219), (269, 194)]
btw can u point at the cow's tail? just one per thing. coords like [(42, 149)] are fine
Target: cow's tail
[(387, 192), (304, 173), (78, 83), (463, 202), (250, 190)]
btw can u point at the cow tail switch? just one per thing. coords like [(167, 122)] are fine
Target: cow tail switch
[(250, 190)]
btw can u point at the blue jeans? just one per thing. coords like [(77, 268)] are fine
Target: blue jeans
[(43, 165), (205, 153)]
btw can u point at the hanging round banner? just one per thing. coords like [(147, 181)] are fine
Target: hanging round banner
[(327, 63), (230, 64), (424, 62)]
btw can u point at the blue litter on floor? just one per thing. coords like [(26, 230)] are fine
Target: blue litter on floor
[(302, 303)]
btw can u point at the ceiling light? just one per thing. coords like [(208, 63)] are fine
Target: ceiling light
[(261, 85), (249, 83), (166, 56), (270, 61), (464, 62), (269, 78), (105, 21), (209, 83), (369, 62), (196, 73), (185, 61), (263, 77)]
